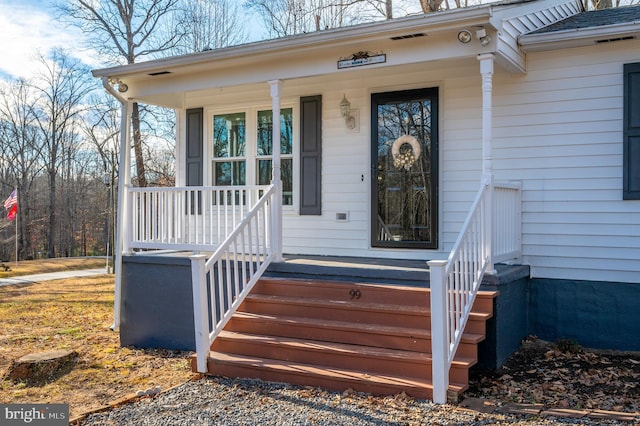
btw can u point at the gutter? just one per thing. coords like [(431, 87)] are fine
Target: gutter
[(122, 167)]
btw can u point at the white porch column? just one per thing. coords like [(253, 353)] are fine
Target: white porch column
[(486, 70), (276, 87), (181, 146), (124, 183)]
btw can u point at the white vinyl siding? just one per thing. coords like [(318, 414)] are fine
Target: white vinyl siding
[(559, 131)]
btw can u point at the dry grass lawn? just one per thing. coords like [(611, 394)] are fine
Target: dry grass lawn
[(76, 314)]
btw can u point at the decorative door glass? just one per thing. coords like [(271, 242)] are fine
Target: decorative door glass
[(404, 155)]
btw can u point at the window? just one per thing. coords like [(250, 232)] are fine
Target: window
[(245, 157), (631, 145), (264, 151), (229, 149)]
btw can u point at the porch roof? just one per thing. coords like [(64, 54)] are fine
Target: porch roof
[(413, 39), (587, 28)]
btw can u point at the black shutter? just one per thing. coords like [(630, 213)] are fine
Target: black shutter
[(194, 166), (631, 168), (311, 155)]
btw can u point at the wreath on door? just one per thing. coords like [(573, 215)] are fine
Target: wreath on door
[(405, 157)]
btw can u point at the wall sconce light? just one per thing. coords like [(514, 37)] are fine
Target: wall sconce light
[(345, 110), (464, 36), (116, 82)]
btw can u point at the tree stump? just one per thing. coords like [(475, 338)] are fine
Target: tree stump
[(42, 366)]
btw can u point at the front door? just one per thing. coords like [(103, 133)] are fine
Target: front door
[(404, 160)]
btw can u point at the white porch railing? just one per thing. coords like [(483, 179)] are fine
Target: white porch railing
[(221, 283), (455, 281), (507, 221), (187, 218)]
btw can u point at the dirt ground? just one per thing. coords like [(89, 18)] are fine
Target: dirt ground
[(76, 314)]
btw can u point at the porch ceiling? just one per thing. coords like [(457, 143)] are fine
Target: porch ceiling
[(259, 92), (432, 50)]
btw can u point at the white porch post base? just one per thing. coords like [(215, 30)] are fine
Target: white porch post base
[(439, 331), (200, 311)]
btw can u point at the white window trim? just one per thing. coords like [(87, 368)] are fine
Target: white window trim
[(251, 116)]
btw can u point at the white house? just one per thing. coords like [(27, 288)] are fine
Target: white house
[(506, 133)]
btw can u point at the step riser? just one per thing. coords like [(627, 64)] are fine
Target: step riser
[(345, 312), (397, 295), (402, 296), (351, 313), (355, 337), (329, 383), (419, 369)]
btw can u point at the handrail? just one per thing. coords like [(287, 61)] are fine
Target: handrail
[(221, 283), (454, 285)]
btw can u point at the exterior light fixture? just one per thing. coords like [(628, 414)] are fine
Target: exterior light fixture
[(122, 87), (345, 110), (481, 34), (464, 36)]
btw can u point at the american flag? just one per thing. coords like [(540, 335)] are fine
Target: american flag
[(12, 200)]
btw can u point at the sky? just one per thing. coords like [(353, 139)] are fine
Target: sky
[(28, 28)]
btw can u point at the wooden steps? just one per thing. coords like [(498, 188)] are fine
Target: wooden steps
[(368, 337)]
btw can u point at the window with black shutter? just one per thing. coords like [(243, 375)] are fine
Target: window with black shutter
[(631, 167)]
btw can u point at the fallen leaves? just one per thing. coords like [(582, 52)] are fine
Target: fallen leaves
[(542, 373)]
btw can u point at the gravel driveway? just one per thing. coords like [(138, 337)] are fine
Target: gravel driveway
[(221, 401)]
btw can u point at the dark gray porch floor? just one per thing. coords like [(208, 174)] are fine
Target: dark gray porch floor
[(375, 270)]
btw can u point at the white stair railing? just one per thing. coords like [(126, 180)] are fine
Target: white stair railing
[(221, 283), (491, 232), (454, 285)]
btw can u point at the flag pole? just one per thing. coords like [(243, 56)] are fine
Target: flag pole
[(17, 230), (16, 239)]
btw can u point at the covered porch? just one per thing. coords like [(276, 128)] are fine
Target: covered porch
[(370, 142)]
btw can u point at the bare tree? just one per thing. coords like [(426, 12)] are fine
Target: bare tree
[(431, 5), (287, 17), (21, 147), (209, 24), (125, 31), (101, 128), (63, 86)]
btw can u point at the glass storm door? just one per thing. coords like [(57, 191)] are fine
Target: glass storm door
[(404, 159)]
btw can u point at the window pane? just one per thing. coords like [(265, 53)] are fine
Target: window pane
[(229, 131), (264, 172), (229, 172), (286, 174), (265, 132)]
